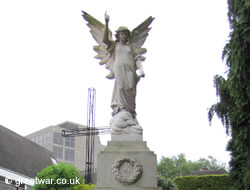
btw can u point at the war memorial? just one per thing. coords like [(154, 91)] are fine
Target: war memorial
[(126, 163)]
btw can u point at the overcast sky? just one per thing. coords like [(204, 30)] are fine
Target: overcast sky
[(47, 65)]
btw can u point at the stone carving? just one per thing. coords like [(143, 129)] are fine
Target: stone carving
[(122, 57), (124, 123), (127, 170)]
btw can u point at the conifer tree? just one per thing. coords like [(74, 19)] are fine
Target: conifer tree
[(233, 107)]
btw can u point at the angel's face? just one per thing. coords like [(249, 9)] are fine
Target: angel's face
[(123, 36)]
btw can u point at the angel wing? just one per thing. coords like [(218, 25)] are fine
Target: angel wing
[(138, 37), (97, 29)]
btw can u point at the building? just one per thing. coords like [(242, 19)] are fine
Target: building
[(20, 160), (70, 150)]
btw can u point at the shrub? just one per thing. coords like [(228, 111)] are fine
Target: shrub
[(85, 187), (165, 184), (60, 176), (205, 182)]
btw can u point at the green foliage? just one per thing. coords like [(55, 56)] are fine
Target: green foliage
[(222, 108), (233, 107), (206, 182), (165, 184), (84, 187), (61, 176), (171, 167)]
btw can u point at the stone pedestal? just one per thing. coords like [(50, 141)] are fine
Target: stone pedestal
[(127, 165)]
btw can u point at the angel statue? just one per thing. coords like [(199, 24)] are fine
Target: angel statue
[(122, 57)]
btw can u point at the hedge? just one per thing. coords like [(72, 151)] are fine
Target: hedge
[(205, 182)]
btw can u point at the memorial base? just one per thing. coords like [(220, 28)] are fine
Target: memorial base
[(125, 165)]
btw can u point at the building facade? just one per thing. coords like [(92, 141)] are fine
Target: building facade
[(20, 160), (70, 150)]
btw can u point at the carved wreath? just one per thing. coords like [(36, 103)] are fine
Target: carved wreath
[(130, 178)]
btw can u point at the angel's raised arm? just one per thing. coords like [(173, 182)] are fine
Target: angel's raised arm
[(103, 36), (106, 31)]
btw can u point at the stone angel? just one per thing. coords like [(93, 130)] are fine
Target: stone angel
[(122, 57)]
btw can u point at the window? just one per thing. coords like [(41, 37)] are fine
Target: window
[(58, 139), (70, 142), (69, 155), (40, 140), (58, 152), (46, 138)]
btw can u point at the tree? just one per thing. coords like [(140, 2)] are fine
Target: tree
[(175, 166), (211, 163), (233, 107), (58, 177), (165, 184)]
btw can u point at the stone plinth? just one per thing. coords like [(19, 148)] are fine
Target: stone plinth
[(125, 165), (124, 137)]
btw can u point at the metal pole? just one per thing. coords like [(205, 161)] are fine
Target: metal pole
[(90, 137)]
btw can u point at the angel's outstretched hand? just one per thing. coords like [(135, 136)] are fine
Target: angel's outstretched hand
[(106, 18), (140, 70), (141, 74)]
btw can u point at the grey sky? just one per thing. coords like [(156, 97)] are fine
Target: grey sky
[(47, 65)]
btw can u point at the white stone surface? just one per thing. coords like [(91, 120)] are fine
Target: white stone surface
[(135, 149), (123, 57), (123, 123), (123, 137)]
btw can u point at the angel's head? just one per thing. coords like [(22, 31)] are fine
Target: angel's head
[(122, 34)]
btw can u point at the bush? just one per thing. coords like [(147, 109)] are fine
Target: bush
[(60, 176), (85, 187), (165, 184), (205, 182)]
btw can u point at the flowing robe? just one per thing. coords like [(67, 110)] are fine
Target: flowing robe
[(124, 70)]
